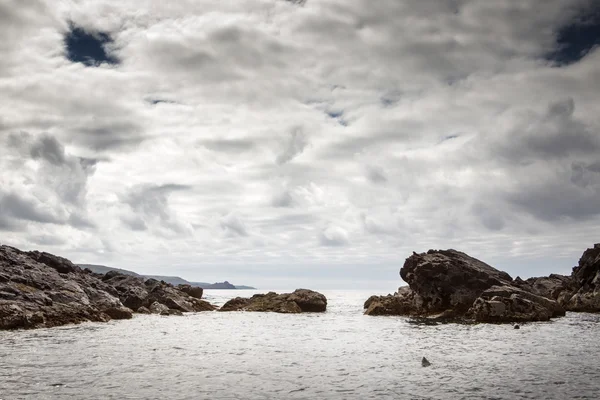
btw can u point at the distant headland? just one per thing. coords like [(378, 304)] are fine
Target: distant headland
[(173, 280)]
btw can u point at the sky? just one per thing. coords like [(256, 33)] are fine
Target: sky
[(311, 143)]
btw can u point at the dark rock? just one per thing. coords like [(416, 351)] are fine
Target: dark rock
[(60, 264), (308, 300), (516, 326), (448, 285), (301, 300), (143, 310), (195, 292), (43, 290), (586, 279), (425, 362), (119, 313)]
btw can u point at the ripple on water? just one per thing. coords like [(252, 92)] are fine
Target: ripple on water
[(340, 354)]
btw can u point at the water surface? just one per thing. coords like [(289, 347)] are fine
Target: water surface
[(340, 354)]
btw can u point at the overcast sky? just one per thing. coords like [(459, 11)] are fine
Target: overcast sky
[(300, 143)]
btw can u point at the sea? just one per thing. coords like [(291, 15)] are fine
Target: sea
[(339, 354)]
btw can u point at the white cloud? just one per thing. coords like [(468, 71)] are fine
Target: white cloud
[(271, 134)]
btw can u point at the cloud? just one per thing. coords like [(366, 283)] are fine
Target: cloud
[(293, 147), (149, 204), (333, 236), (314, 137), (375, 174), (232, 225)]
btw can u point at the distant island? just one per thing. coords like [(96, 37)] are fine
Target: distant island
[(173, 280)]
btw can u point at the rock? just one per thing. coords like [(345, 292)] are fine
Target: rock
[(308, 300), (43, 290), (448, 285), (586, 279), (143, 310), (62, 265), (301, 300), (425, 362), (119, 313), (157, 308), (195, 292), (516, 326), (557, 287), (509, 304)]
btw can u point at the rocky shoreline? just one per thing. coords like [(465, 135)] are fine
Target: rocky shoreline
[(41, 290), (448, 285)]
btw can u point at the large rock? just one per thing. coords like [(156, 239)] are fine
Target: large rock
[(43, 290), (194, 291), (586, 279), (301, 300), (450, 285)]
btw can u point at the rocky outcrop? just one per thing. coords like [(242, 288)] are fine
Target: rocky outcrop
[(450, 285), (586, 280), (43, 290), (301, 300)]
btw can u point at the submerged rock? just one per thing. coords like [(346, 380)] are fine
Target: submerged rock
[(301, 300), (43, 290), (450, 285)]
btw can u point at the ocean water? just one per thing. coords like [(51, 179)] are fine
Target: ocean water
[(340, 354)]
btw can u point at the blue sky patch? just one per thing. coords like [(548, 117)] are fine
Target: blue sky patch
[(88, 48)]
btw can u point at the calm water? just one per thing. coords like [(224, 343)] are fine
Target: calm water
[(337, 355)]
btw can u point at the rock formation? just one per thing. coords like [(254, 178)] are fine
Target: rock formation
[(301, 300), (450, 285), (43, 290), (586, 280)]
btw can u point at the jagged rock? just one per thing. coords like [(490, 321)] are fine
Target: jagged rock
[(195, 292), (510, 304), (43, 290), (450, 285), (557, 287), (586, 278), (301, 300), (157, 308)]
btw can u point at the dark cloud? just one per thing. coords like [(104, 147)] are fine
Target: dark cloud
[(228, 145), (295, 145), (17, 207), (283, 199), (150, 205), (110, 134), (375, 174), (488, 216), (557, 199), (557, 134), (49, 149)]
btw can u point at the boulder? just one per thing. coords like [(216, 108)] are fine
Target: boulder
[(194, 291), (119, 313), (586, 279), (301, 300), (451, 285), (157, 308)]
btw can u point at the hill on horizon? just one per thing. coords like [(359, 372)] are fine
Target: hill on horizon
[(173, 280)]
